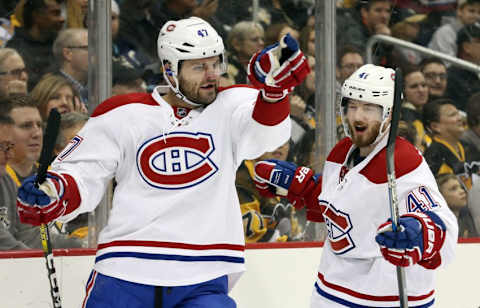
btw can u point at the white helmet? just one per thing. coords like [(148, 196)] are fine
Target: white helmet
[(187, 39), (372, 84)]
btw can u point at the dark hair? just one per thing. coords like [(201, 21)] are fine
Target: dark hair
[(6, 120), (123, 74), (16, 101), (430, 60), (367, 4), (473, 110), (412, 68), (33, 6), (431, 111), (345, 49), (468, 33)]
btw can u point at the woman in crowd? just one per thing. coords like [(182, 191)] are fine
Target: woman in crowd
[(54, 91), (415, 93)]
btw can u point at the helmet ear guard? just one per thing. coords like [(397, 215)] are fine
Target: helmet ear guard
[(372, 84)]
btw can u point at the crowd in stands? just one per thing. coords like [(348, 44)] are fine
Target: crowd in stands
[(44, 65)]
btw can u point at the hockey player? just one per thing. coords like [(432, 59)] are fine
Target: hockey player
[(174, 237), (351, 198)]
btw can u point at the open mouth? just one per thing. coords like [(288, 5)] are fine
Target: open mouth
[(208, 87), (360, 128)]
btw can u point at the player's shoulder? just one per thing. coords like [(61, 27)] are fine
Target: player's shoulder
[(235, 96), (237, 91), (407, 159), (339, 152), (118, 101), (237, 88)]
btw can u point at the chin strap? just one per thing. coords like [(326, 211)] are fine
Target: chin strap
[(177, 91)]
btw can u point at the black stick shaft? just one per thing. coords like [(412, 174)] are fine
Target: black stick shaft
[(392, 186), (49, 140)]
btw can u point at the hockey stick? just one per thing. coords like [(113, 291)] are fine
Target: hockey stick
[(49, 140), (392, 185)]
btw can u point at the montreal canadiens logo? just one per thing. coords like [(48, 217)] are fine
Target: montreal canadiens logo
[(177, 160)]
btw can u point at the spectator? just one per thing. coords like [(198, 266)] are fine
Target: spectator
[(279, 216), (41, 21), (409, 132), (369, 18), (415, 93), (307, 40), (456, 197), (122, 51), (245, 38), (349, 59), (6, 31), (138, 27), (473, 200), (146, 17), (54, 91), (76, 12), (28, 137), (446, 153), (472, 135), (294, 13), (438, 14), (275, 31), (435, 73), (407, 29), (13, 74), (127, 80), (254, 224), (6, 7), (70, 124), (8, 188), (230, 12), (71, 55), (303, 117), (461, 83), (445, 38)]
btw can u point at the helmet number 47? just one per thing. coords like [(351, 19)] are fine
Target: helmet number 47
[(202, 32)]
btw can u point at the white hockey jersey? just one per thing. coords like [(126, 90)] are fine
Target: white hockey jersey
[(175, 218), (352, 271)]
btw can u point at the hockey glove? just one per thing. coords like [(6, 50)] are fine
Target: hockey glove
[(418, 240), (47, 202), (281, 178), (278, 68)]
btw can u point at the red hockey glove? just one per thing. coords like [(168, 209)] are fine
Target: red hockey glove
[(278, 68), (418, 240), (46, 203), (285, 179)]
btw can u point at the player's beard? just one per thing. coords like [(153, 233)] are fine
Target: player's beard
[(367, 137), (192, 91)]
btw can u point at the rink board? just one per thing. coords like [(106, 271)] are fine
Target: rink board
[(279, 276)]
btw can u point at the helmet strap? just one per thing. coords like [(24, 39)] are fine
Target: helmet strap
[(176, 88)]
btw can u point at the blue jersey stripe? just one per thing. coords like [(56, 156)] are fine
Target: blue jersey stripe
[(353, 305), (154, 256)]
